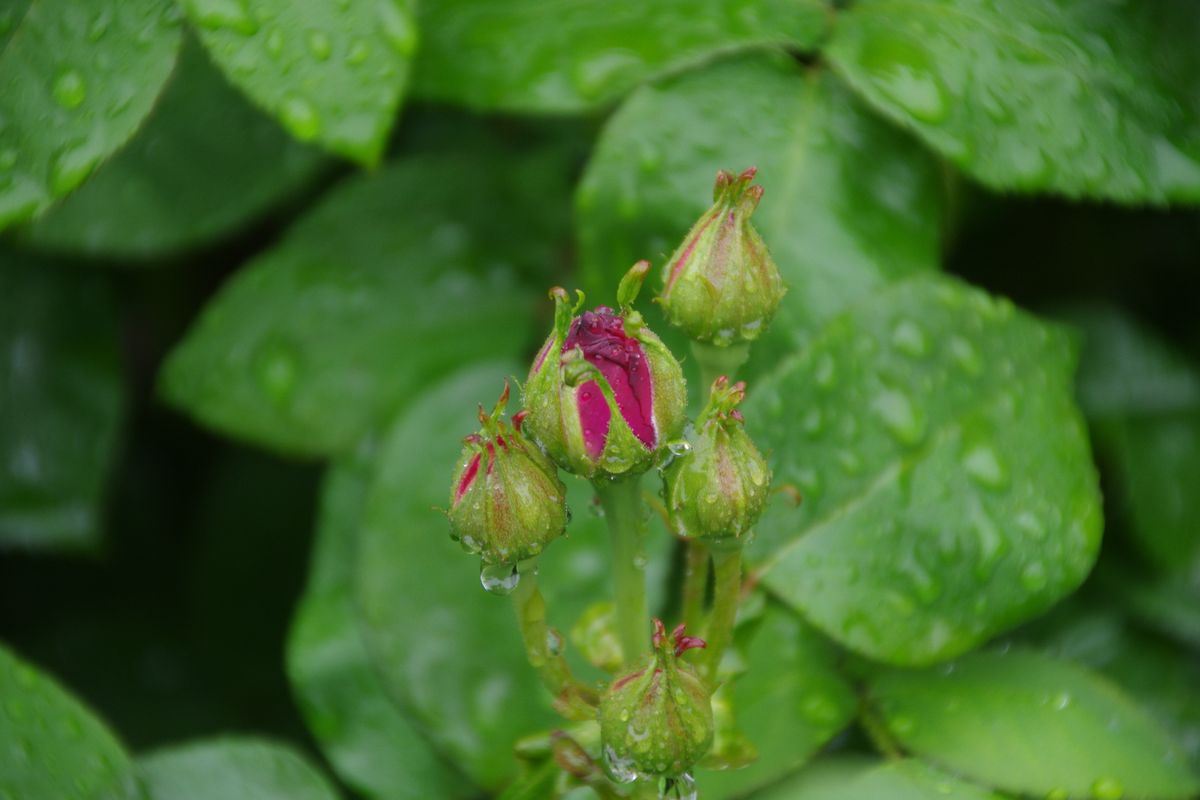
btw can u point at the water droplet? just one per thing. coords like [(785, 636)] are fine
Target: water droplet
[(984, 466), (318, 44), (849, 461), (965, 355), (813, 422), (301, 118), (1060, 701), (359, 52), (680, 787), (1033, 576), (902, 725), (99, 25), (595, 75), (277, 367), (1107, 788), (991, 543), (69, 89), (1058, 794), (71, 167), (824, 372), (820, 709), (554, 642), (499, 578), (397, 28), (619, 769), (679, 447), (903, 72), (1030, 524), (908, 338), (275, 43), (902, 418), (231, 14)]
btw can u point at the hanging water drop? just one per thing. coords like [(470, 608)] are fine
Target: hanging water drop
[(681, 787), (619, 769), (499, 578)]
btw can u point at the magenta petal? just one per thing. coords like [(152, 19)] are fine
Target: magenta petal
[(595, 417), (468, 477)]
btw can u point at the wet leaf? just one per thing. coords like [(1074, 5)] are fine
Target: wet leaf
[(544, 56), (62, 384), (79, 78), (232, 767), (896, 780), (948, 489), (1083, 99), (332, 73), (51, 746), (1051, 726), (205, 163), (837, 231)]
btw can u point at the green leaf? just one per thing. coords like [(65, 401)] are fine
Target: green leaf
[(1169, 604), (79, 78), (359, 727), (948, 489), (1029, 724), (62, 381), (791, 701), (448, 649), (232, 767), (826, 778), (546, 56), (836, 230), (332, 73), (51, 746), (205, 164), (1084, 99), (312, 343), (896, 780), (1144, 400)]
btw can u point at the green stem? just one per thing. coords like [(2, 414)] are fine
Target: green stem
[(621, 500), (727, 589), (878, 733), (695, 584), (717, 361), (572, 699)]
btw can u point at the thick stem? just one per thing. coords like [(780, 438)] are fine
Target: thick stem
[(727, 589), (621, 500), (878, 733), (717, 361), (544, 648), (695, 584)]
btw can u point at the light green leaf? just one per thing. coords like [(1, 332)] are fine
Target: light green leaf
[(331, 72), (790, 702), (391, 281), (360, 728), (62, 392), (1144, 400), (837, 231), (51, 746), (233, 767), (1084, 99), (549, 56), (448, 649), (79, 78), (896, 780), (1029, 724), (827, 778), (948, 486), (205, 163)]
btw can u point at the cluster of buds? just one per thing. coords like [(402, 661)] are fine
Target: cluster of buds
[(603, 399)]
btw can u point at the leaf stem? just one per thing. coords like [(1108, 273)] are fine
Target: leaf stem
[(878, 733), (695, 583), (621, 500), (727, 590), (544, 648), (716, 361)]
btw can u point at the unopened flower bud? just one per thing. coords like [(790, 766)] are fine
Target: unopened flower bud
[(604, 394), (506, 501), (717, 488), (721, 285), (657, 720)]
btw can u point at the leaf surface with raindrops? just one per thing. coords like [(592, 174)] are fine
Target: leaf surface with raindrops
[(232, 767)]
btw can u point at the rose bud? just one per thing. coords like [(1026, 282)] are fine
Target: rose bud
[(657, 720), (717, 488), (506, 501), (604, 394), (721, 285)]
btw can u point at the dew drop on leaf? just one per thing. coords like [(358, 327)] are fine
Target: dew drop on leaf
[(69, 89), (499, 578)]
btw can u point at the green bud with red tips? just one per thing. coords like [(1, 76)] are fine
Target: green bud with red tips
[(721, 285), (718, 487), (657, 720), (506, 500), (604, 394)]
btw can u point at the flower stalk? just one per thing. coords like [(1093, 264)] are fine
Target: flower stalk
[(727, 592), (621, 501)]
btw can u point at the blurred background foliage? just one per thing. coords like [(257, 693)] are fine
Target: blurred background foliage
[(245, 240)]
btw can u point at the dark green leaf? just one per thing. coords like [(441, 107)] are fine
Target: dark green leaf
[(790, 702), (824, 779), (1169, 604), (332, 73), (1027, 723), (546, 56), (394, 279), (205, 163), (442, 644), (1084, 99), (837, 231), (61, 390), (229, 768), (347, 709), (51, 746), (79, 78), (948, 486)]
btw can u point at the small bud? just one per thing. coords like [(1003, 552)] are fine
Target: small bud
[(721, 285), (506, 501), (718, 487), (657, 720), (604, 393)]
